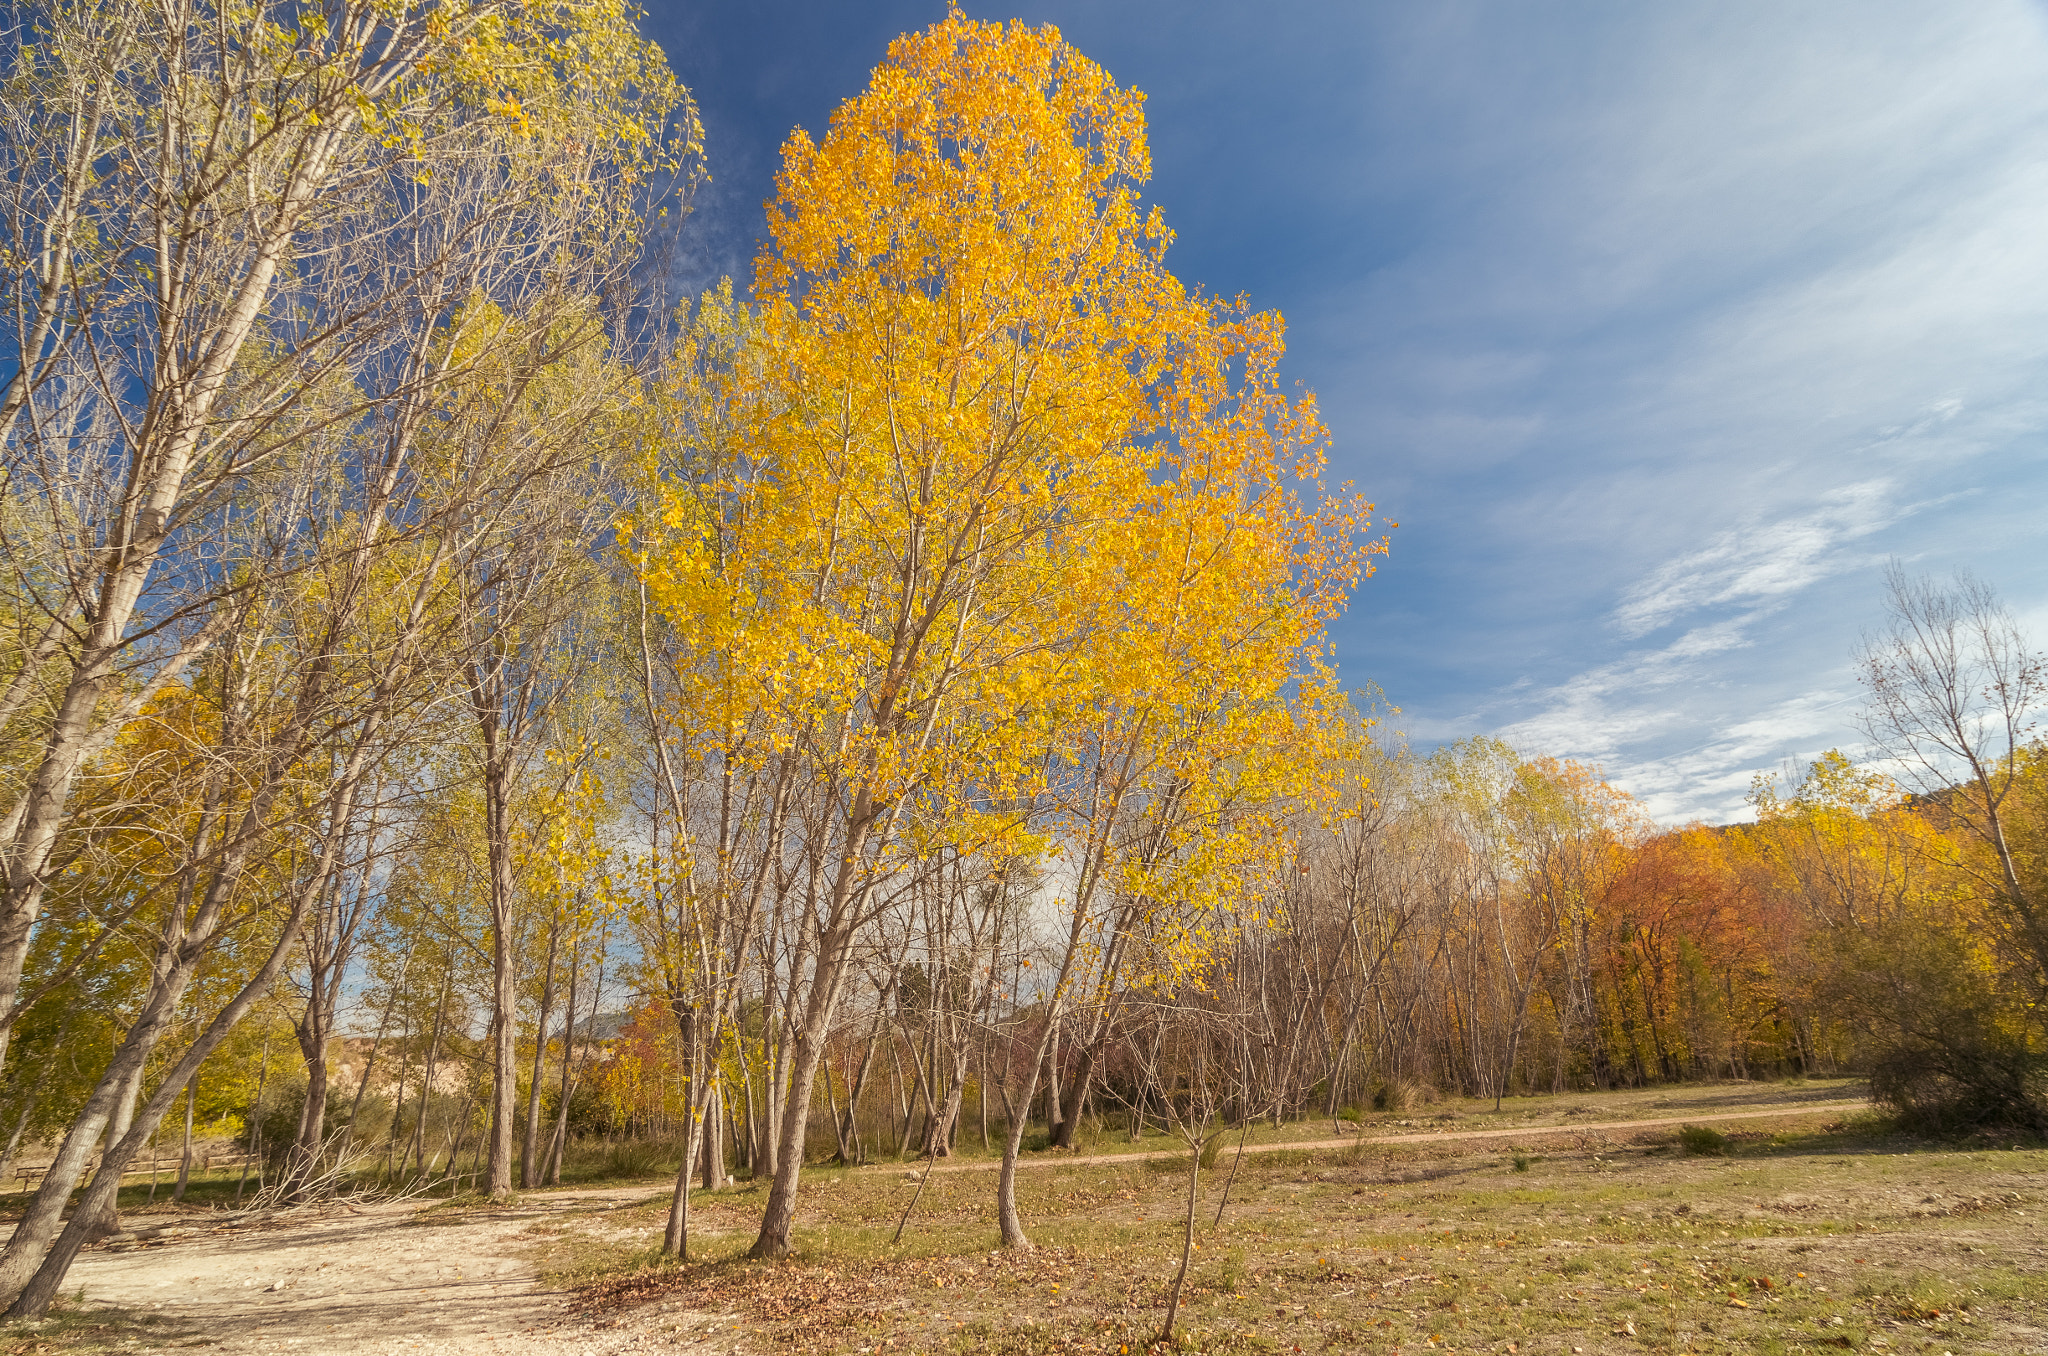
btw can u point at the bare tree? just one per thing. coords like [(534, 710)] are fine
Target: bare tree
[(1182, 1067), (530, 586), (1953, 692)]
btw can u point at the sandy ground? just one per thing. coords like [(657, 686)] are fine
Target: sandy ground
[(400, 1277), (404, 1277)]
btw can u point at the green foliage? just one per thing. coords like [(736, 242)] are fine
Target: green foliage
[(1703, 1139), (1951, 1047)]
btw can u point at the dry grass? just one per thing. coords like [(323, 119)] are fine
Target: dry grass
[(75, 1330), (1806, 1234)]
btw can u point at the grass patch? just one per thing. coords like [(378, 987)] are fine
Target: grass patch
[(71, 1328)]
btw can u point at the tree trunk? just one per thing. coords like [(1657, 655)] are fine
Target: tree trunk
[(859, 1082), (504, 980), (565, 1089), (774, 1097), (310, 1144), (779, 1215), (1010, 1224), (946, 1119), (528, 1177), (1052, 1073), (1007, 1218), (715, 1175), (417, 1149), (838, 1120), (695, 1099), (109, 1220), (1187, 1242), (28, 1110), (255, 1123), (32, 1286), (185, 1153), (1084, 1079)]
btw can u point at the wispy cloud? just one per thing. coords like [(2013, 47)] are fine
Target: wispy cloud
[(1602, 712), (1629, 712), (1628, 715), (1762, 562)]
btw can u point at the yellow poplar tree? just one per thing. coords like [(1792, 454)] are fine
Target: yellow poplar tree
[(983, 425), (963, 312)]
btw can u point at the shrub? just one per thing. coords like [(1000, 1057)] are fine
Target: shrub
[(636, 1158), (1702, 1139), (1952, 1044), (1402, 1094), (597, 1160)]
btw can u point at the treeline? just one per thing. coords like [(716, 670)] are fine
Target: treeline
[(1470, 923), (904, 686)]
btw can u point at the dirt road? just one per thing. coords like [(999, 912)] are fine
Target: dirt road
[(411, 1279), (1512, 1132)]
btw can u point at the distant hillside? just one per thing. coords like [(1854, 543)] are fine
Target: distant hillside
[(602, 1027)]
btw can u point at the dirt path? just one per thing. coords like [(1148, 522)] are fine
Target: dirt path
[(1524, 1132), (399, 1277)]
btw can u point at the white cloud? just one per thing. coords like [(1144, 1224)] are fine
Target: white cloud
[(1764, 561), (1693, 691), (1600, 713), (1607, 717), (1711, 780)]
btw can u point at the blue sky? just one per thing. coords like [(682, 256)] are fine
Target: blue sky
[(1658, 328)]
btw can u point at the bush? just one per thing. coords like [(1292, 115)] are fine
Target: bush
[(1702, 1139), (1971, 1081), (1952, 1045), (275, 1129), (590, 1114), (637, 1158), (1402, 1094)]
